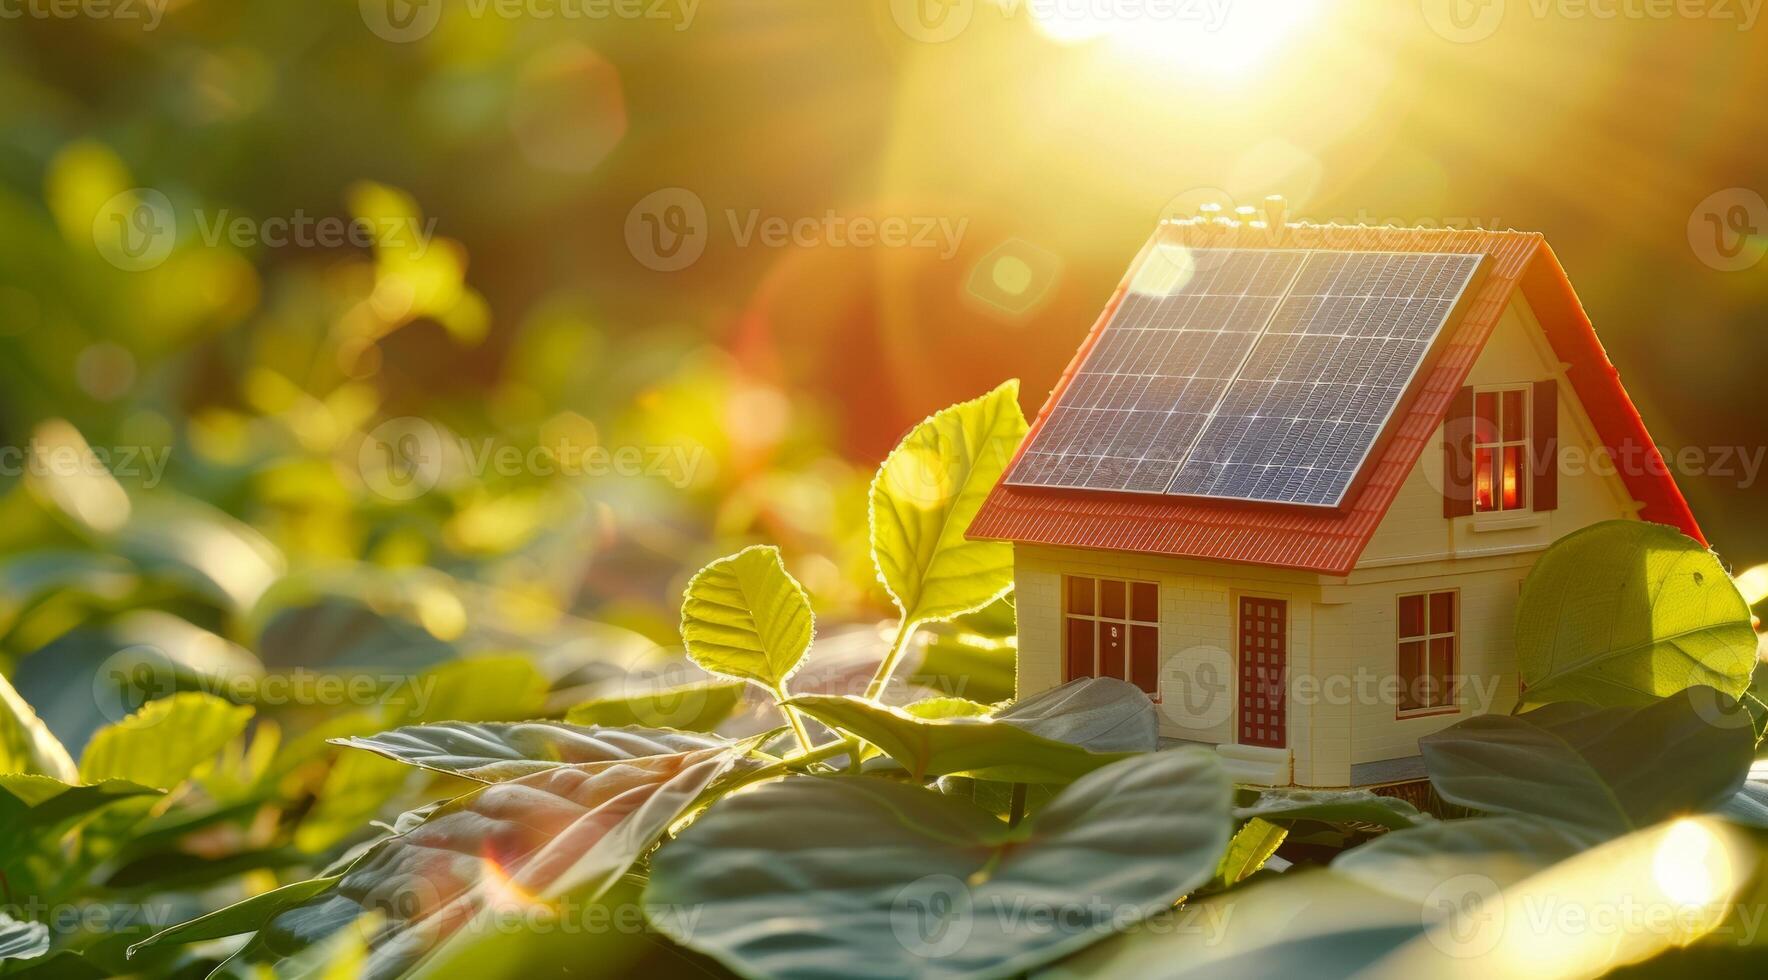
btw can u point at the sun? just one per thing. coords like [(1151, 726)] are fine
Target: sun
[(1218, 38)]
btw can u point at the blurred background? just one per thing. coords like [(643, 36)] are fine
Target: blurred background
[(411, 327)]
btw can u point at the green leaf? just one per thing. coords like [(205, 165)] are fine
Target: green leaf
[(745, 616), (983, 748), (1331, 806), (932, 886), (22, 940), (1252, 846), (30, 578), (934, 709), (163, 744), (1608, 770), (997, 797), (1750, 804), (1302, 924), (494, 753), (63, 964), (476, 689), (1413, 863), (340, 956), (924, 498), (240, 917), (48, 803), (1624, 612), (487, 688), (973, 655), (1621, 902), (571, 828), (200, 547), (356, 787), (26, 744), (688, 707), (163, 871), (1098, 713), (1755, 700)]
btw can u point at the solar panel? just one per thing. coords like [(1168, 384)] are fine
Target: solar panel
[(1163, 362), (1322, 345)]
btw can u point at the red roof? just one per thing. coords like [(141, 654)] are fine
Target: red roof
[(1330, 541)]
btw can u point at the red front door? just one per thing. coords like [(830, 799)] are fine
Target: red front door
[(1264, 649)]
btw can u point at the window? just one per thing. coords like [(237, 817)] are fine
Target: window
[(1111, 628), (1427, 627), (1501, 450), (1501, 465)]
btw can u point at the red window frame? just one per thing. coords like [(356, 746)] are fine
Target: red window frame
[(1111, 628), (1427, 633)]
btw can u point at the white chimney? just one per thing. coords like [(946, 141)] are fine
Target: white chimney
[(1276, 210)]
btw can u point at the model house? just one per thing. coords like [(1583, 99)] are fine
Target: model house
[(1292, 481)]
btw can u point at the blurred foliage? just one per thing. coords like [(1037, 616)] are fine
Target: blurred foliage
[(281, 493)]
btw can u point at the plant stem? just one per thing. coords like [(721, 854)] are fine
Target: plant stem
[(791, 714), (1018, 813), (785, 765), (904, 633)]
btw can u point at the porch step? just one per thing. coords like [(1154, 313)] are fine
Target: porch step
[(1256, 765)]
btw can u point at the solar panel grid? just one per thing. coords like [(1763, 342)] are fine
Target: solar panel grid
[(1145, 390), (1314, 393), (1266, 376)]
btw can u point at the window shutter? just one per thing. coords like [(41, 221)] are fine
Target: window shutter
[(1544, 447), (1458, 456)]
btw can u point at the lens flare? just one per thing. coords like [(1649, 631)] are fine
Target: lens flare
[(1218, 39)]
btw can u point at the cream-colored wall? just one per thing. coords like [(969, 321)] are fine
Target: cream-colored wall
[(1197, 603), (1415, 530), (1342, 631), (1366, 647)]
